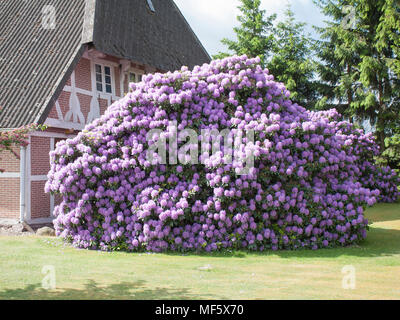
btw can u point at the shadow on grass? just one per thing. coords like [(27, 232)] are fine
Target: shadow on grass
[(379, 242), (94, 291), (230, 253), (384, 212)]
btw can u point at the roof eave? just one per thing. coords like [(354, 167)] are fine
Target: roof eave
[(191, 30)]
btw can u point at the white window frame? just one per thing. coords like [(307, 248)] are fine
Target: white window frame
[(103, 66), (136, 73)]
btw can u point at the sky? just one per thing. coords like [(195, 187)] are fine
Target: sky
[(213, 20)]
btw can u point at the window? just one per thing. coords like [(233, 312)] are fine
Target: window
[(135, 77), (103, 79)]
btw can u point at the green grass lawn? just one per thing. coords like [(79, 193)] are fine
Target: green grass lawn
[(84, 274)]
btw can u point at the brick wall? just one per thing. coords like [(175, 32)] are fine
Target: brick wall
[(84, 101), (83, 81), (63, 100), (40, 201), (40, 160), (40, 146), (103, 105), (8, 161), (83, 75), (40, 166), (9, 187), (9, 198)]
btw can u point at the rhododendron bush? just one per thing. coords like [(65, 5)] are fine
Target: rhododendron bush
[(378, 177), (306, 188)]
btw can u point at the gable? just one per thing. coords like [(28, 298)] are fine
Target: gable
[(162, 39), (38, 54), (35, 57)]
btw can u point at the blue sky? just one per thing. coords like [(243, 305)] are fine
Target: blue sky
[(213, 20)]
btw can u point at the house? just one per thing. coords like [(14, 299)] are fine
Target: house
[(62, 63)]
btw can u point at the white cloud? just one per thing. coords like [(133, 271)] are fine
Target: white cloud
[(213, 20)]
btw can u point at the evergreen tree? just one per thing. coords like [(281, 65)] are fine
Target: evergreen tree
[(292, 61), (360, 62), (338, 51), (389, 31), (255, 35)]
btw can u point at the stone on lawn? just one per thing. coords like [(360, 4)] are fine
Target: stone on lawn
[(208, 267), (46, 231)]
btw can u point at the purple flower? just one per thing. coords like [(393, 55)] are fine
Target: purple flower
[(313, 173)]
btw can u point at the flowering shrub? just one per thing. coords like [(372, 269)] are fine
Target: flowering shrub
[(376, 175), (384, 179), (304, 190)]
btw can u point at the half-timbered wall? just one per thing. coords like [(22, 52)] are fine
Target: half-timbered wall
[(78, 104)]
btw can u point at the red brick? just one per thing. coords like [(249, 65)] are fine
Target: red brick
[(40, 201), (9, 198), (40, 160)]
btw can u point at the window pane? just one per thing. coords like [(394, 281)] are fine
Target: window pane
[(108, 88), (108, 79), (140, 77), (99, 87), (98, 68), (98, 77), (107, 70), (132, 77)]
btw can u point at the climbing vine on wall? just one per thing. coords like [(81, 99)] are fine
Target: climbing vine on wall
[(16, 138)]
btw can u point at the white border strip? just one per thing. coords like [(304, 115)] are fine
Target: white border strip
[(9, 175), (49, 134), (63, 125), (28, 186), (39, 178)]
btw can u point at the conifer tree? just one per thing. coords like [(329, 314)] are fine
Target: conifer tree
[(360, 62), (292, 61), (254, 35)]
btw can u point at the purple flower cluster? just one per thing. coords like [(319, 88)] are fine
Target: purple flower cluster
[(306, 190), (384, 179), (373, 176)]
